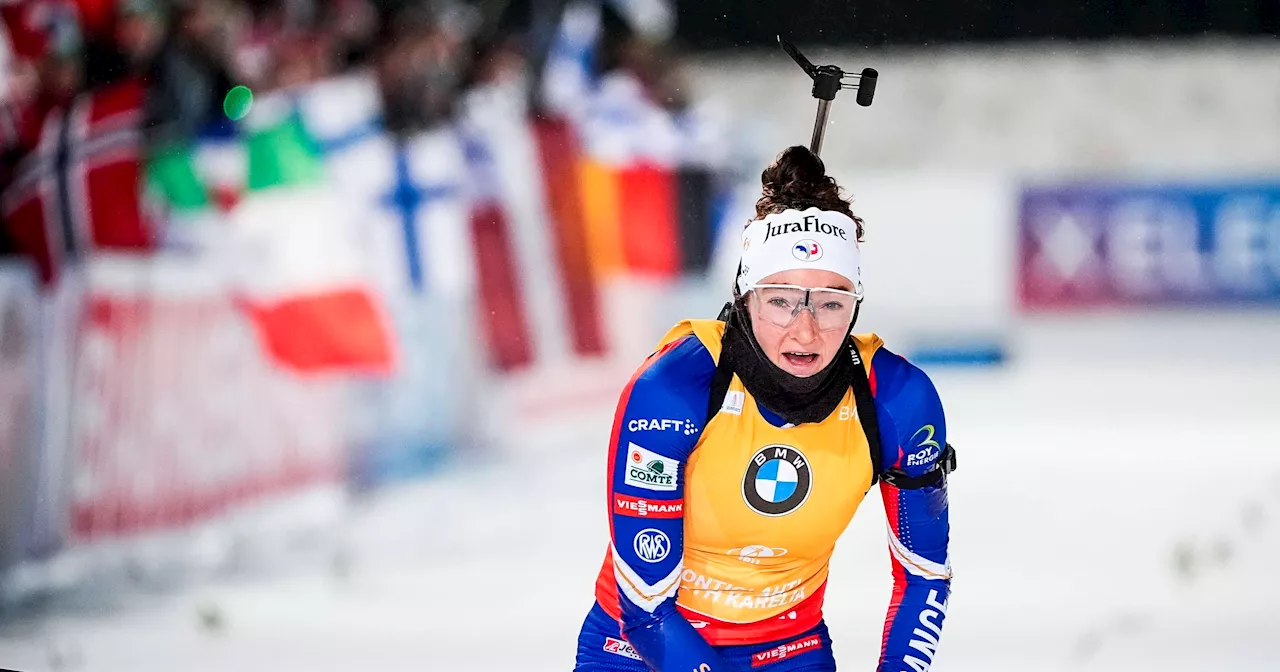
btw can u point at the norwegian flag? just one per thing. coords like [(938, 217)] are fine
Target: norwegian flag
[(79, 189)]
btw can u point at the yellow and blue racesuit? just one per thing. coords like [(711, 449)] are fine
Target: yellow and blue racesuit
[(721, 536)]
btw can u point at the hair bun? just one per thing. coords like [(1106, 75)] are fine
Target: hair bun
[(796, 171), (798, 180)]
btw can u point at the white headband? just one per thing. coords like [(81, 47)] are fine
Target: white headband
[(792, 239)]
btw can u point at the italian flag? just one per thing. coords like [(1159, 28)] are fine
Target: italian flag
[(257, 200)]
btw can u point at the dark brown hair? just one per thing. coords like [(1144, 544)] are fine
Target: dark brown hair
[(797, 180)]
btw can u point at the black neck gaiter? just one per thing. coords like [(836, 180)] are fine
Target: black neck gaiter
[(797, 400)]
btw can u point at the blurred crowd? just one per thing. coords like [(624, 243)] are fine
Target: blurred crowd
[(92, 90), (227, 200)]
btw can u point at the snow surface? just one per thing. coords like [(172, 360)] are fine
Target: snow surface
[(1105, 446)]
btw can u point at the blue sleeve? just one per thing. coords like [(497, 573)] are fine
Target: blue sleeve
[(913, 431), (658, 422)]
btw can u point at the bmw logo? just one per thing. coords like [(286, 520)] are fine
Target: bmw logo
[(807, 250), (778, 480)]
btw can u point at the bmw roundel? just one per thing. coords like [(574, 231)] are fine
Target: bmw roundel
[(777, 481)]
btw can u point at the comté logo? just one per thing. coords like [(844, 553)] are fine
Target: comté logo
[(644, 508)]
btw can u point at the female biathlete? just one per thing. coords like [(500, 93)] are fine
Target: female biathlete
[(741, 449)]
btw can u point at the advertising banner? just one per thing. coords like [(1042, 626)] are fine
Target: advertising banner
[(1100, 245), (177, 415)]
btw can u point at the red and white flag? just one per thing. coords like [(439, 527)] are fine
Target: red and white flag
[(79, 190)]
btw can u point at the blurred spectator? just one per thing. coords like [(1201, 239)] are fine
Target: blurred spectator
[(125, 41), (139, 30), (45, 73), (192, 71), (420, 66), (498, 58), (286, 45), (353, 28)]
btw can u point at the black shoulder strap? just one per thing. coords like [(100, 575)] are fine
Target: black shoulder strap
[(866, 411), (725, 311), (723, 377), (719, 388), (871, 427)]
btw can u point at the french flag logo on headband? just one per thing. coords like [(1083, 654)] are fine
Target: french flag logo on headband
[(807, 250)]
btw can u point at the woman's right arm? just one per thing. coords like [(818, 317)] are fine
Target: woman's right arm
[(655, 429)]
